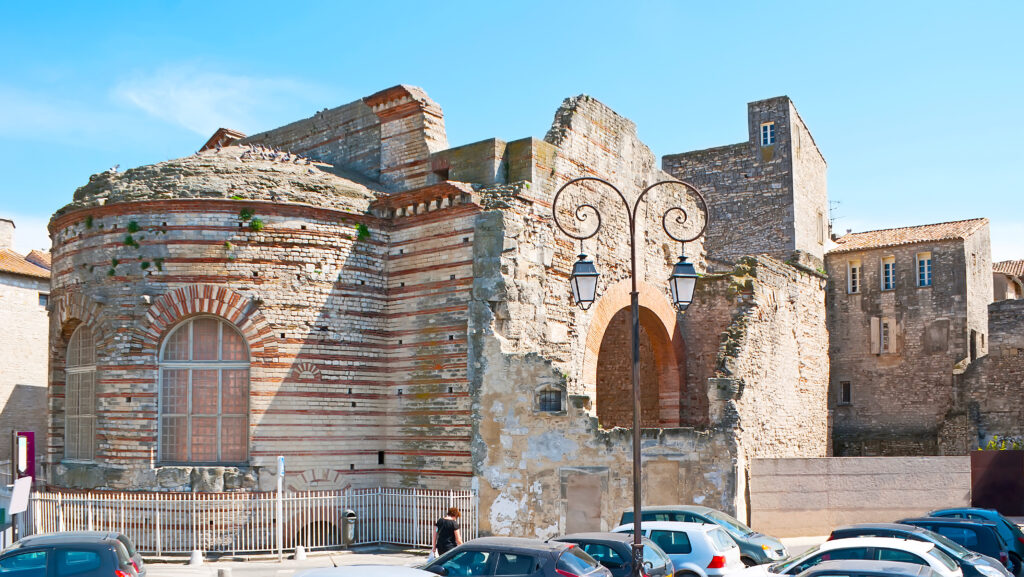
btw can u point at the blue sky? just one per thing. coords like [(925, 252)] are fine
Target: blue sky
[(914, 104)]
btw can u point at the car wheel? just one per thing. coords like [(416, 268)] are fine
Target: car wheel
[(748, 562), (1015, 564), (686, 574)]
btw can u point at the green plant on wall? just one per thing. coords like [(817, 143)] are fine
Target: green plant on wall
[(144, 264), (255, 225), (362, 232), (133, 226), (228, 245), (129, 240), (159, 262), (246, 214), (88, 221)]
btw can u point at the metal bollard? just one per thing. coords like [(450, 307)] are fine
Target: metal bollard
[(224, 572)]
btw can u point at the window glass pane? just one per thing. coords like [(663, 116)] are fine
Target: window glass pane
[(76, 562), (71, 437), (234, 346), (204, 439), (204, 392), (173, 392), (173, 432), (71, 389), (514, 564), (176, 347), (86, 393), (605, 554), (204, 339), (901, 556), (234, 438), (87, 350), (86, 434), (672, 542), (73, 347), (235, 392), (25, 561), (467, 563)]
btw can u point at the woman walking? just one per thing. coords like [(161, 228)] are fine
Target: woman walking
[(446, 535)]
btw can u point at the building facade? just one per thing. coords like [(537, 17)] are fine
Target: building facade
[(905, 307), (24, 296), (379, 308), (1008, 280)]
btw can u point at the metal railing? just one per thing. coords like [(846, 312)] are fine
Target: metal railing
[(169, 523)]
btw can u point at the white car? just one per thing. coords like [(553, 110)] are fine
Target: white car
[(870, 548), (701, 549)]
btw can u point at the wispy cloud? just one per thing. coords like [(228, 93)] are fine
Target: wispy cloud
[(202, 101)]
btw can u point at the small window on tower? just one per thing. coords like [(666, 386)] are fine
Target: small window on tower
[(845, 393), (767, 133), (44, 299), (853, 277), (924, 269)]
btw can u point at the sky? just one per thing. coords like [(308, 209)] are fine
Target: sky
[(914, 104)]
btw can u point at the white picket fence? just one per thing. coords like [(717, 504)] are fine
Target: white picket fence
[(169, 523)]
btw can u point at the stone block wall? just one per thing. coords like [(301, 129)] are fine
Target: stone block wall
[(992, 386), (899, 398), (23, 371), (763, 199)]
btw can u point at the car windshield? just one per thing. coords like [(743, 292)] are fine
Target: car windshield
[(943, 558), (955, 548), (731, 525), (576, 560), (782, 566)]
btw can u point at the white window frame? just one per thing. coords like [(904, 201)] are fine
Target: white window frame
[(217, 365), (79, 416), (767, 133), (924, 269), (888, 273), (854, 272)]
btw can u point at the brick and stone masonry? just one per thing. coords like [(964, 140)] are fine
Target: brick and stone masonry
[(407, 307)]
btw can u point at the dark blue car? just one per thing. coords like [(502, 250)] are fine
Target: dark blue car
[(1008, 530)]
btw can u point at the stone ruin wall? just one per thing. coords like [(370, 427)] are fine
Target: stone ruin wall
[(991, 388), (525, 336)]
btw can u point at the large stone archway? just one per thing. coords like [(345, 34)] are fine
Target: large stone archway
[(607, 369)]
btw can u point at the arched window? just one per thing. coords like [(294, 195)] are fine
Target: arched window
[(80, 396), (204, 393)]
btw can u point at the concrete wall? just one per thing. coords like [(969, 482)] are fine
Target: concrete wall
[(807, 497)]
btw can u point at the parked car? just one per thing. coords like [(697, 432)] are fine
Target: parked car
[(133, 554), (862, 548), (701, 549), (979, 536), (1008, 530), (615, 551), (69, 556), (971, 563), (755, 548), (365, 571), (514, 556), (856, 568)]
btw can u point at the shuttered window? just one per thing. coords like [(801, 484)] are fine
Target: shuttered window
[(204, 393), (80, 396)]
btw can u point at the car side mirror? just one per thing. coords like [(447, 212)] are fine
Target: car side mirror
[(648, 566)]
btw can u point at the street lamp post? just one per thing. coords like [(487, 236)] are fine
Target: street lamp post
[(583, 282)]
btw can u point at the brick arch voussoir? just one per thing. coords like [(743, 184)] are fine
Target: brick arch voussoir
[(181, 303), (614, 299)]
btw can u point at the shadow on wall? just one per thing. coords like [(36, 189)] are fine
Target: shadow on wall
[(25, 411)]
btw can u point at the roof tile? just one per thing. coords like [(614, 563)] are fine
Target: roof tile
[(908, 235), (13, 263), (1010, 267)]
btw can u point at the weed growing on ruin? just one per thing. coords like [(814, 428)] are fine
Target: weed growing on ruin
[(362, 232), (228, 245), (114, 262), (129, 240), (159, 262), (246, 214), (88, 221), (236, 197), (144, 264), (255, 225), (133, 226)]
